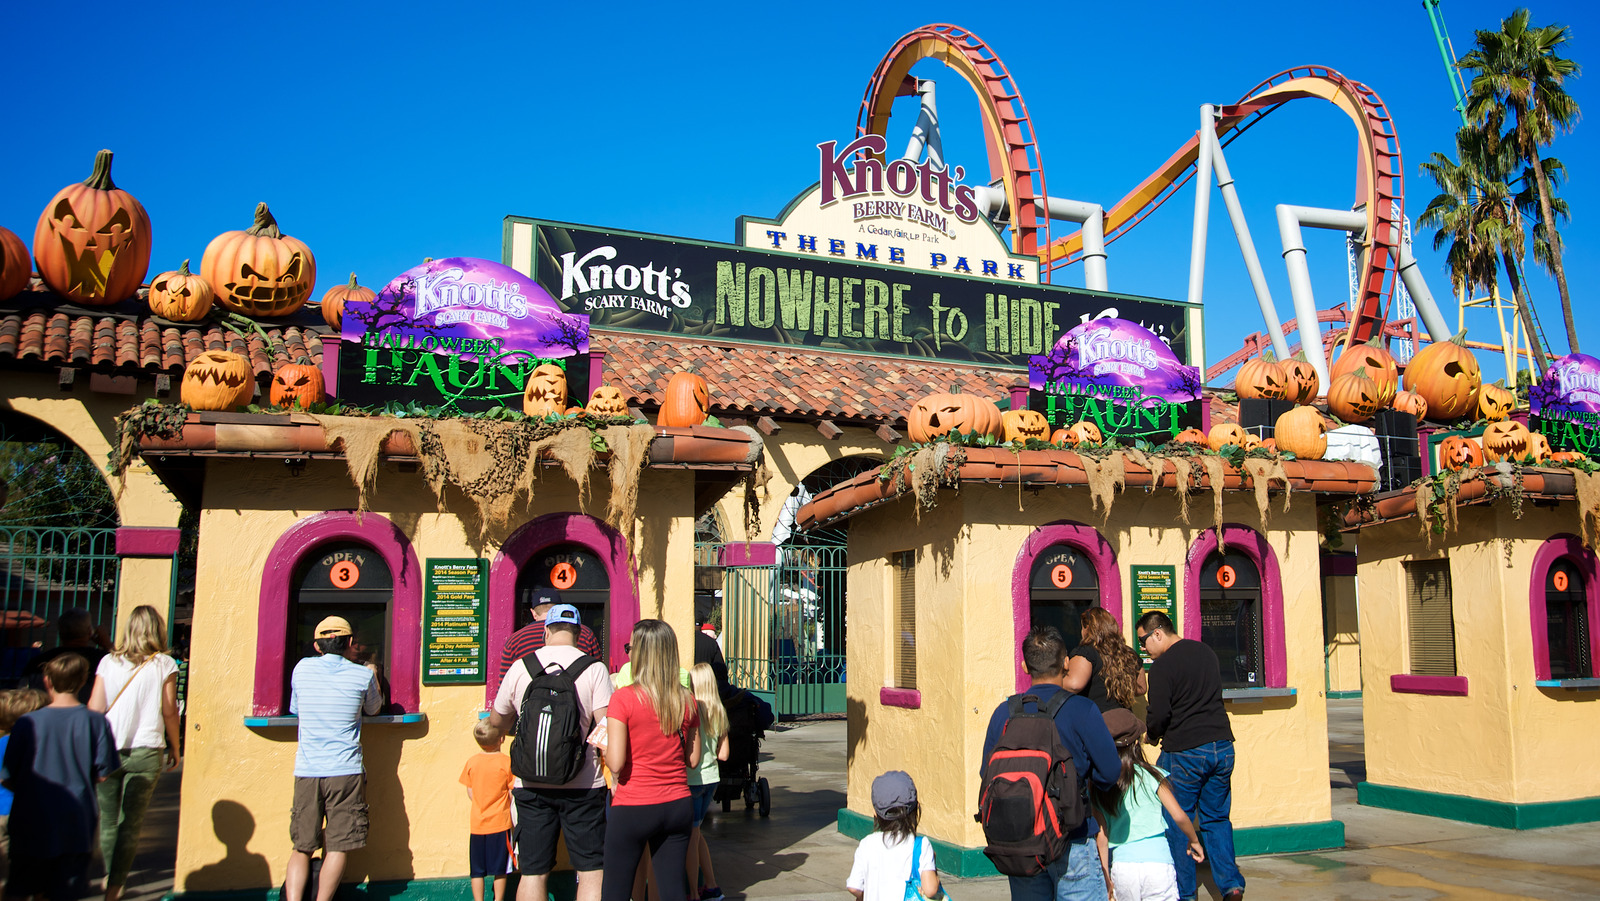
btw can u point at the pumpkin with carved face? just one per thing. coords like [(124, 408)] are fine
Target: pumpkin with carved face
[(546, 391), (1458, 452), (296, 383), (1538, 448), (940, 414), (1252, 441), (1505, 440), (1191, 436), (15, 267), (1302, 432), (260, 271), (686, 402), (1355, 397), (1495, 402), (1085, 432), (1304, 384), (1225, 433), (180, 295), (1377, 361), (1410, 402), (1024, 425), (1567, 457), (1446, 374), (92, 243), (1262, 379), (217, 380), (606, 402)]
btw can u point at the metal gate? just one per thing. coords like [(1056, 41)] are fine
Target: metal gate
[(784, 629), (46, 572)]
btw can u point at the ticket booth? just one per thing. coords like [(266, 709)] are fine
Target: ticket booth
[(1062, 585)]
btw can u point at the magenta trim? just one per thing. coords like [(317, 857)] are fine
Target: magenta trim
[(909, 698), (597, 372), (1092, 545), (405, 612), (330, 364), (1019, 397), (147, 541), (1254, 546), (1338, 564), (755, 553), (1444, 686), (1562, 545), (536, 535)]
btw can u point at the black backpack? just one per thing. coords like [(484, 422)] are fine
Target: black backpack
[(1031, 799), (551, 736)]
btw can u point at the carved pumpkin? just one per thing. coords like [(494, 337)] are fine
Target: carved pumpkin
[(260, 271), (1446, 375), (180, 295), (1251, 441), (1062, 437), (15, 267), (687, 401), (1303, 382), (1085, 432), (546, 391), (1567, 457), (333, 302), (1024, 425), (1269, 444), (941, 414), (1458, 452), (1504, 440), (1262, 379), (606, 401), (1377, 361), (297, 383), (1191, 436), (1410, 402), (92, 243), (1495, 402), (1538, 448), (1302, 432), (1225, 433), (217, 380), (1354, 397)]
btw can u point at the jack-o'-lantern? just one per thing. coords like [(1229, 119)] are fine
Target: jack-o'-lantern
[(687, 401), (1251, 441), (1269, 444), (606, 401), (217, 380), (1024, 425), (1302, 432), (1538, 448), (1495, 402), (1458, 452), (180, 295), (92, 243), (294, 383), (15, 267), (1085, 432), (1191, 436), (1504, 440), (1304, 384), (1061, 437), (1225, 433), (260, 271), (940, 414), (1377, 361), (1446, 374), (1567, 457), (1410, 402), (333, 302), (546, 391), (1262, 379), (1354, 396)]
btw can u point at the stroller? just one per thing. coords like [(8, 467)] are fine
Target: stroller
[(749, 717)]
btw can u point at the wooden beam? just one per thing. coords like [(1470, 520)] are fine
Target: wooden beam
[(829, 430), (637, 413), (888, 435), (768, 426), (65, 378), (163, 385)]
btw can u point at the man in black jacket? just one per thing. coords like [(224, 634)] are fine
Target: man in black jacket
[(1187, 717)]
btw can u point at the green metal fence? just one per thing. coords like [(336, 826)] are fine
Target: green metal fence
[(43, 573), (784, 629)]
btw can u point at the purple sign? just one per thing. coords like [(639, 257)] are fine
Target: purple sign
[(467, 307), (1570, 385), (1116, 360)]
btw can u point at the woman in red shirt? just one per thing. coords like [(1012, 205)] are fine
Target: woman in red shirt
[(652, 740)]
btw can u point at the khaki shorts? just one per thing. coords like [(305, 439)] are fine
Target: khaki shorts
[(342, 800)]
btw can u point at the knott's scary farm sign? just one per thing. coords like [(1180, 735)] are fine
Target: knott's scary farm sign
[(1565, 405), (461, 333), (1118, 375), (721, 293)]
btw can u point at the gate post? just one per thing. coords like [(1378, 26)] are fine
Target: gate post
[(149, 572), (747, 615)]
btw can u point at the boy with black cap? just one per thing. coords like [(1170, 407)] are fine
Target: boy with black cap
[(893, 854)]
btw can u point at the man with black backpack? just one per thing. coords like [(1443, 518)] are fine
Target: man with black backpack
[(550, 701), (1043, 748)]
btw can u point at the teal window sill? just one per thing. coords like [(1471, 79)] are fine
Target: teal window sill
[(395, 719), (1246, 695), (1579, 684)]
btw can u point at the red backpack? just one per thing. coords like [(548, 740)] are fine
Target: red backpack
[(1031, 799)]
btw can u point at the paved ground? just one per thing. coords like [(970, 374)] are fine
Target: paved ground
[(797, 854)]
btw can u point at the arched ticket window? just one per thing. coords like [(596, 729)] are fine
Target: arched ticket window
[(1230, 617), (1062, 585), (347, 579), (1564, 606), (1061, 569), (581, 577)]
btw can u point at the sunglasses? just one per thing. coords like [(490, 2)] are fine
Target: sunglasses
[(627, 648), (1145, 637)]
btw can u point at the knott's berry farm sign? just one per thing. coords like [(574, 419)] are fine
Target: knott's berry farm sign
[(1118, 375), (1565, 405)]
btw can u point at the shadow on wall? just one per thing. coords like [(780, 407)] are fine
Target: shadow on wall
[(239, 868), (855, 714), (388, 849)]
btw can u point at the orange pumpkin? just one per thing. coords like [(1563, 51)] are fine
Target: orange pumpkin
[(1355, 397), (1458, 452), (217, 380), (1062, 437), (1505, 440), (941, 414), (1251, 441), (1446, 374), (687, 401), (1410, 402), (1024, 425), (1262, 379), (333, 302), (92, 243), (546, 391), (260, 271), (1085, 432), (1303, 382), (180, 295), (15, 267), (1302, 432), (1495, 402), (1538, 448), (299, 383), (1225, 433), (1377, 361), (1191, 436), (606, 402), (1269, 444), (1567, 457)]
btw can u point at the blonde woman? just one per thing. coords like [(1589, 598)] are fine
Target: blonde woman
[(703, 779), (652, 742), (136, 687)]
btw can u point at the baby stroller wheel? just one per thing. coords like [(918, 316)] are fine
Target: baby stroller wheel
[(764, 796), (749, 795)]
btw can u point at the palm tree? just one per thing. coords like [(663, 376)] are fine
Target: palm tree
[(1519, 70)]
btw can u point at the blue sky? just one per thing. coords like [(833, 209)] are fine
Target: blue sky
[(385, 133)]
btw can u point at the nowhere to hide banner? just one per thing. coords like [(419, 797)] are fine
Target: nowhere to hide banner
[(819, 300), (1119, 375), (460, 333), (1565, 405)]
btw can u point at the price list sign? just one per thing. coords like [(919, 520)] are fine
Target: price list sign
[(454, 621), (1154, 588)]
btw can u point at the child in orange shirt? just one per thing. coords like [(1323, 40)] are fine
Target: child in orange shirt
[(487, 777)]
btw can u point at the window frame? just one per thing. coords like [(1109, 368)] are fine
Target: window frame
[(1251, 543), (902, 566), (1089, 542), (1426, 684), (1557, 547)]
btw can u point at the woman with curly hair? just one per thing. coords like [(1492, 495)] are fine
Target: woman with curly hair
[(1102, 667)]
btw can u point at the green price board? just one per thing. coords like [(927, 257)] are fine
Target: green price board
[(1154, 588), (455, 630)]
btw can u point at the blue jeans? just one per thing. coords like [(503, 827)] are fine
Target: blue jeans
[(1202, 781), (1074, 876)]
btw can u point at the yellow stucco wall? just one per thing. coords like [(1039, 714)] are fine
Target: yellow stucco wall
[(966, 655), (1507, 739), (1342, 633), (791, 454), (234, 820)]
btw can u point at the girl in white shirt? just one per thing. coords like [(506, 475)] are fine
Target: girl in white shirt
[(884, 868)]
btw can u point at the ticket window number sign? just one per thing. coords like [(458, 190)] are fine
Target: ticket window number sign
[(455, 621)]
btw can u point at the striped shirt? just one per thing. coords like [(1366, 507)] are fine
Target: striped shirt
[(530, 638), (329, 694)]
